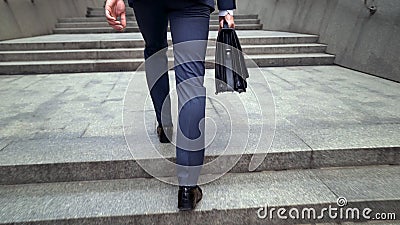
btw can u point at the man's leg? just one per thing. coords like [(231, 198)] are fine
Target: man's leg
[(189, 23), (152, 19)]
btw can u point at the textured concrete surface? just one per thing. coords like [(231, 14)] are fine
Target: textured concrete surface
[(133, 29), (363, 42), (26, 18), (102, 23), (137, 36), (234, 199), (112, 65), (69, 127), (355, 177), (120, 52), (128, 53), (395, 222)]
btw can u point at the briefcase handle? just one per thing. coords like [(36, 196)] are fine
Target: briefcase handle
[(225, 24)]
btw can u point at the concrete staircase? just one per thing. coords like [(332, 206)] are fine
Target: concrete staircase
[(64, 159), (95, 22), (89, 45)]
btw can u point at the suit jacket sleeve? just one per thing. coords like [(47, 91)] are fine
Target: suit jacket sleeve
[(226, 4)]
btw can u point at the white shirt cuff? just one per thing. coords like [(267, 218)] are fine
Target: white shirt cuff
[(225, 12)]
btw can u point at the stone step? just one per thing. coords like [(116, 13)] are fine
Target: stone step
[(89, 19), (101, 9), (213, 16), (134, 23), (108, 29), (102, 14), (133, 40), (99, 151), (85, 159), (130, 53), (102, 18), (334, 129), (77, 66), (129, 13), (96, 12), (234, 199)]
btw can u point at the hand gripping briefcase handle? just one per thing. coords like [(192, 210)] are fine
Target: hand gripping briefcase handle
[(230, 68)]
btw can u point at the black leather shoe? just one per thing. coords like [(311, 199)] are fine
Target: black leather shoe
[(188, 197), (164, 134)]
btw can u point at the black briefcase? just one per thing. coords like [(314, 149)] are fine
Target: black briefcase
[(230, 67)]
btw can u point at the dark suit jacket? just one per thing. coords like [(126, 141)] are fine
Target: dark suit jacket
[(222, 4)]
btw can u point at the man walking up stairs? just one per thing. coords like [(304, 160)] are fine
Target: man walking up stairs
[(64, 158)]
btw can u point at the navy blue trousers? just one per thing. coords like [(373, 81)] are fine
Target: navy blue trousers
[(189, 24)]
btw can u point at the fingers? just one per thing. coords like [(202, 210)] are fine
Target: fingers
[(123, 20), (221, 22), (230, 20), (121, 11), (118, 27), (109, 11), (111, 19), (114, 9)]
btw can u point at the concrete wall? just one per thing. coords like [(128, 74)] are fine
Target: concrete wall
[(26, 18), (362, 42)]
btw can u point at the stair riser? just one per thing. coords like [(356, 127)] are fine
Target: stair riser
[(101, 9), (131, 66), (136, 29), (89, 20), (131, 169), (213, 16), (68, 68), (140, 43), (266, 62), (133, 19), (138, 53), (134, 24), (238, 215), (96, 13)]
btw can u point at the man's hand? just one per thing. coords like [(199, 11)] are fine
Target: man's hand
[(229, 19), (115, 9)]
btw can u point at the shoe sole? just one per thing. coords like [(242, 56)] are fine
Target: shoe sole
[(187, 207), (164, 141), (163, 138)]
